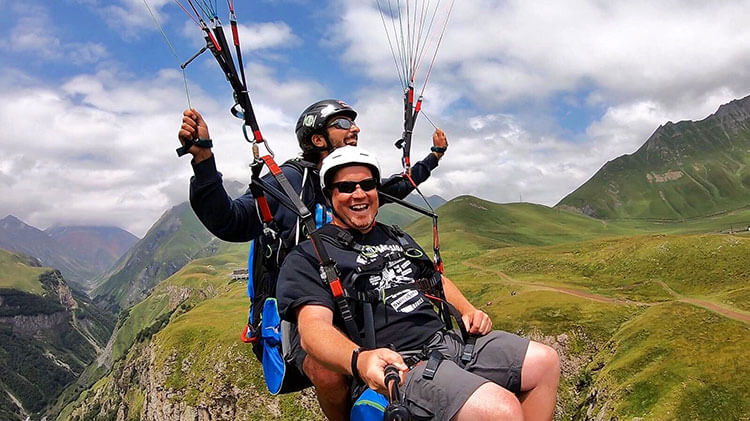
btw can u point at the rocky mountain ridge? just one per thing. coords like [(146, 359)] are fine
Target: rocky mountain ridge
[(49, 333), (684, 170)]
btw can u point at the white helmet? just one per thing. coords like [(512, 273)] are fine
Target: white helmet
[(346, 156)]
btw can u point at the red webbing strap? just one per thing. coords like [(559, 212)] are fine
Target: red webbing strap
[(437, 259), (302, 210), (271, 164), (329, 273), (260, 197)]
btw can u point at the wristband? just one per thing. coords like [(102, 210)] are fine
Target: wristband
[(201, 143), (438, 149), (355, 371)]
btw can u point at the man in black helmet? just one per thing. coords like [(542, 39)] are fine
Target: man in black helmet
[(321, 128)]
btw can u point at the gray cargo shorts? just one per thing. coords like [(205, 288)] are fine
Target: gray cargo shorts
[(498, 357)]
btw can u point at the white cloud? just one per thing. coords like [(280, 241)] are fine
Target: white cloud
[(496, 52), (266, 35), (131, 17), (99, 148), (37, 35)]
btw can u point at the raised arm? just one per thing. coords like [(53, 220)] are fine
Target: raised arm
[(400, 187)]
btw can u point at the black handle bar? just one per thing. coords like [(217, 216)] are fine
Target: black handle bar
[(396, 411)]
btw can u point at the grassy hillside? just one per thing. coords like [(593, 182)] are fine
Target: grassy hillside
[(653, 326), (470, 226), (170, 243), (648, 268), (20, 272), (674, 361), (48, 335), (188, 329), (648, 324)]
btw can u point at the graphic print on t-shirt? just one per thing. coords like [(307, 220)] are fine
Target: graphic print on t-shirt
[(396, 271)]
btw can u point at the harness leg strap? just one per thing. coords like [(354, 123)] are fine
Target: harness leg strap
[(468, 352), (432, 365)]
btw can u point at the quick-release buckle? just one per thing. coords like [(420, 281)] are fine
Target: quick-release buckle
[(432, 365), (468, 352)]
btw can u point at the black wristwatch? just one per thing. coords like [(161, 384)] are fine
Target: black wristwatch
[(201, 143), (438, 149), (355, 371)]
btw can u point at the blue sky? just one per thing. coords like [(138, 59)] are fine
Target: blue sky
[(535, 96)]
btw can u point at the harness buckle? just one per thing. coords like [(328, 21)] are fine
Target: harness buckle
[(468, 352), (432, 365)]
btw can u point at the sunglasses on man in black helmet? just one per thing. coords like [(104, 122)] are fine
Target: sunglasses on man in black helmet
[(342, 123)]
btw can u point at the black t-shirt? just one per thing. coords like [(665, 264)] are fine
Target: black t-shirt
[(404, 318)]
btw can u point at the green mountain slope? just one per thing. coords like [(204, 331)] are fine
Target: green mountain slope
[(653, 326), (469, 225), (394, 214), (684, 170), (48, 335), (172, 242), (695, 367), (590, 288), (181, 352)]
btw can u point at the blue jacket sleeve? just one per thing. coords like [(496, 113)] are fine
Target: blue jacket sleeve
[(400, 188)]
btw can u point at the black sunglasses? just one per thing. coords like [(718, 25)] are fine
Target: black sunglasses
[(342, 123), (349, 186)]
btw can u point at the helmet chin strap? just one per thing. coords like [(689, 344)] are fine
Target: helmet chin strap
[(329, 146)]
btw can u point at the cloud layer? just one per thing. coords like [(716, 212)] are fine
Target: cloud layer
[(534, 96)]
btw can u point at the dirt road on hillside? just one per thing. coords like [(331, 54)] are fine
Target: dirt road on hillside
[(732, 314), (743, 317)]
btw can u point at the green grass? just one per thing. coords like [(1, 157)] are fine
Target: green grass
[(709, 265), (16, 273), (216, 325), (676, 361), (198, 280)]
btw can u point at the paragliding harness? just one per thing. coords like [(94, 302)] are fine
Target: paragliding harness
[(264, 328), (265, 257), (367, 401)]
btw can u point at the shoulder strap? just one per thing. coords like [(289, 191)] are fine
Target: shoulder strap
[(330, 275)]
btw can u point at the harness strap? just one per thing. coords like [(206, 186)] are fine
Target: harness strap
[(436, 357), (201, 143), (468, 352), (301, 209), (329, 273)]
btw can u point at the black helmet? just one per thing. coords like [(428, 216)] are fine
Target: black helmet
[(313, 120)]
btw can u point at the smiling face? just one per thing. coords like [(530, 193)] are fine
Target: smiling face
[(358, 209), (337, 136), (340, 136)]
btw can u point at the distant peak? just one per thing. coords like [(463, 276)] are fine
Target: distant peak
[(11, 221)]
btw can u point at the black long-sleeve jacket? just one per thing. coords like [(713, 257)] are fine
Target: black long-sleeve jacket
[(238, 220)]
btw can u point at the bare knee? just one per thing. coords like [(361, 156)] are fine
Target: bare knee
[(541, 365), (491, 402)]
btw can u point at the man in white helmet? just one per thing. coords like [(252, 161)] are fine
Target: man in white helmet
[(382, 277), (321, 128)]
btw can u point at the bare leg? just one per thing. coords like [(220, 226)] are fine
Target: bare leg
[(332, 389), (540, 376), (491, 402)]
